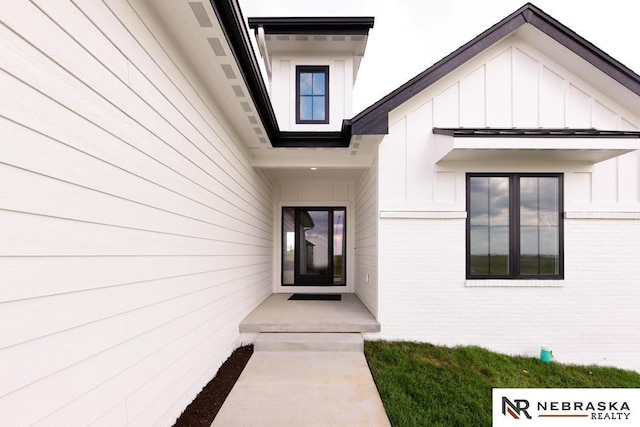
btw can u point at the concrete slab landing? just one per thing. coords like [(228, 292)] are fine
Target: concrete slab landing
[(278, 314)]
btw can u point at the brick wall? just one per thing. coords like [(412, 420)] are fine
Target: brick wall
[(590, 317)]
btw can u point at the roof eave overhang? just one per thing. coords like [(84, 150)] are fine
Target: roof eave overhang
[(232, 22), (314, 25)]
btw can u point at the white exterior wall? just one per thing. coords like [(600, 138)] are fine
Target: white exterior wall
[(135, 235), (366, 239), (589, 317), (283, 90), (298, 191)]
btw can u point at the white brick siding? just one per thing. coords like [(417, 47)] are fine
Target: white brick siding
[(592, 318)]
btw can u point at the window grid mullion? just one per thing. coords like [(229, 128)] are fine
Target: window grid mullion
[(489, 224), (538, 223), (514, 226)]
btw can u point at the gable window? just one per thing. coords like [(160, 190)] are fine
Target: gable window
[(312, 94), (514, 226)]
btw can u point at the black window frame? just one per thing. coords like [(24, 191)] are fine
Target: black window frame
[(312, 69), (514, 226)]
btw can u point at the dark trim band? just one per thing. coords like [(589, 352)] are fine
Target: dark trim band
[(342, 25), (534, 133)]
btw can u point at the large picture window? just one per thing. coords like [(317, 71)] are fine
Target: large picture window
[(312, 94), (514, 226)]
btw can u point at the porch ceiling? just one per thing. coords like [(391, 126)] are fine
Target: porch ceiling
[(321, 174), (360, 154)]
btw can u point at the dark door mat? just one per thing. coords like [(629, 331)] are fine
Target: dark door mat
[(315, 297)]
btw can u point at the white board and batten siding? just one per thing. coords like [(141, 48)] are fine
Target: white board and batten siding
[(134, 233), (283, 89), (589, 317)]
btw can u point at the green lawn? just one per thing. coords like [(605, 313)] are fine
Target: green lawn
[(426, 385)]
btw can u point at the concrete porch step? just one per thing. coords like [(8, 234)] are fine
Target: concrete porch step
[(267, 341)]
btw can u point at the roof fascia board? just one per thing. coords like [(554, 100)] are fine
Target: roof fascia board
[(311, 139), (313, 25), (374, 119), (232, 23), (301, 139)]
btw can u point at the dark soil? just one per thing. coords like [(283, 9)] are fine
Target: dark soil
[(208, 402)]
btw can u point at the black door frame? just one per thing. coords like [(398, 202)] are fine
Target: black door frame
[(324, 279)]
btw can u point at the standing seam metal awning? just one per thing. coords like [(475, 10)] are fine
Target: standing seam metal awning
[(533, 144)]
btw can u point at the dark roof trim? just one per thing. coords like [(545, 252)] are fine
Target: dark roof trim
[(232, 23), (233, 26), (534, 133), (316, 139), (309, 25), (374, 120)]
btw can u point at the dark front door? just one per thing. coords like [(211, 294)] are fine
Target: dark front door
[(313, 246)]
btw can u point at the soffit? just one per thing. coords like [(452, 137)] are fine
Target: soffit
[(360, 154), (313, 36), (192, 35), (316, 43)]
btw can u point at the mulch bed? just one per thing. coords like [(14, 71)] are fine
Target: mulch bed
[(208, 402)]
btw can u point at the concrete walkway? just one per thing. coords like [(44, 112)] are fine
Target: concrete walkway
[(305, 379)]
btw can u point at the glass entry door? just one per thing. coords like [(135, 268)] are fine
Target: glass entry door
[(313, 246)]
